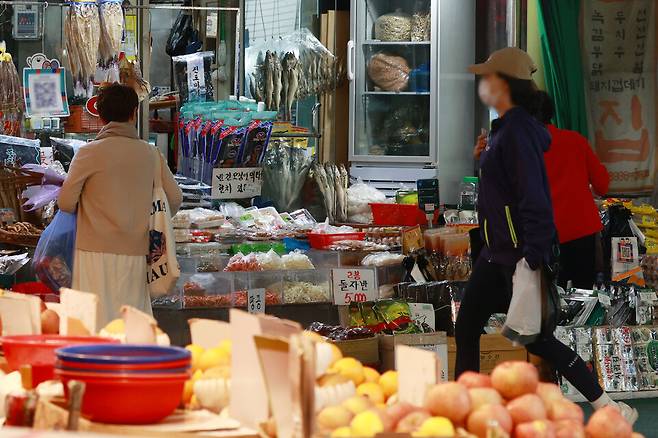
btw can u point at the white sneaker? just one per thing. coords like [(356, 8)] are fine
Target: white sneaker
[(629, 413)]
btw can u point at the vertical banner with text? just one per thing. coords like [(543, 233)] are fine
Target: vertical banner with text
[(619, 63)]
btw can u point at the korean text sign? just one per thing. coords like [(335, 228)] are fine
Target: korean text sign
[(353, 285)]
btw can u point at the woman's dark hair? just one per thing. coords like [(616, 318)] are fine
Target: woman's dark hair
[(524, 93), (116, 103), (546, 109)]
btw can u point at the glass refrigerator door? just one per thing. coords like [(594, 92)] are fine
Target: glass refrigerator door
[(393, 81)]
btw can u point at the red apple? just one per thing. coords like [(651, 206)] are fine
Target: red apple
[(484, 396), (471, 379), (449, 400), (412, 422), (526, 408), (400, 410), (549, 392), (569, 429), (535, 429), (607, 422), (514, 379), (566, 410), (481, 419)]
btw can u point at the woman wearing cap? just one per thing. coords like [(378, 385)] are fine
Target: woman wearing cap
[(516, 219), (572, 168)]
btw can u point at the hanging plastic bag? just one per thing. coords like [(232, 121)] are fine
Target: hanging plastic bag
[(183, 38), (524, 317), (53, 257)]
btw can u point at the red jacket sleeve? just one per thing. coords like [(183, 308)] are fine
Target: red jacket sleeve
[(598, 174)]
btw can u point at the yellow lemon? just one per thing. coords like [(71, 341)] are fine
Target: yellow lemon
[(214, 357), (373, 391), (389, 383), (116, 327), (333, 417), (342, 432), (436, 426), (336, 354), (366, 424), (371, 374), (357, 404), (350, 368), (197, 375), (188, 391), (226, 345), (196, 351)]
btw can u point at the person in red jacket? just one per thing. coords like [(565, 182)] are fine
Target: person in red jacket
[(572, 168)]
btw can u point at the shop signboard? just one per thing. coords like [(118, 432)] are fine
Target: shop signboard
[(353, 285), (236, 183), (619, 56)]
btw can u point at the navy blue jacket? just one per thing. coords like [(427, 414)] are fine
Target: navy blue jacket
[(514, 203)]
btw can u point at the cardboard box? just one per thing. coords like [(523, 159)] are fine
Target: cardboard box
[(494, 349), (364, 350), (435, 342)]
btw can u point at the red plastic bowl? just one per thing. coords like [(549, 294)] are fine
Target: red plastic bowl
[(128, 400), (39, 351)]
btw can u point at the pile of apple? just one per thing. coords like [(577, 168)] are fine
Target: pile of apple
[(509, 403)]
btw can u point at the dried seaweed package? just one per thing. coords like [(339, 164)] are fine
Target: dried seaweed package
[(231, 139), (255, 146), (17, 152), (397, 315), (193, 79)]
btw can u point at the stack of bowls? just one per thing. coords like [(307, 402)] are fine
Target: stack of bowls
[(126, 384), (38, 351)]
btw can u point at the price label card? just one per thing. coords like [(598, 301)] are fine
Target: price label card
[(353, 285), (256, 300), (236, 183)]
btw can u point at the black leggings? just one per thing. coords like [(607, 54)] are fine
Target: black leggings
[(489, 291)]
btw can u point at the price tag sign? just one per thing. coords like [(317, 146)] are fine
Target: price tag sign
[(353, 285), (256, 300), (236, 183)]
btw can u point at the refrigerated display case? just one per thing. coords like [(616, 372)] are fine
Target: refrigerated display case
[(411, 97)]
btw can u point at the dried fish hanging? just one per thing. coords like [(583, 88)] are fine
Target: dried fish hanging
[(131, 75), (332, 180), (82, 31), (11, 96), (111, 34)]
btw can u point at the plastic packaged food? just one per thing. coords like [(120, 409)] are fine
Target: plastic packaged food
[(256, 141), (421, 26), (230, 139), (305, 292), (193, 78), (296, 260), (395, 26), (389, 72), (356, 318), (397, 315)]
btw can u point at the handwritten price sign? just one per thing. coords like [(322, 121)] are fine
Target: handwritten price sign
[(256, 300), (353, 285), (236, 183)]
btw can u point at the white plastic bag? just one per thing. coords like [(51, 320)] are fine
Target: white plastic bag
[(523, 324)]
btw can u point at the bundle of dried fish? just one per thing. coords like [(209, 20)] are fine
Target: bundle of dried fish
[(130, 74), (111, 32), (290, 82), (332, 180), (82, 30), (11, 97), (285, 169)]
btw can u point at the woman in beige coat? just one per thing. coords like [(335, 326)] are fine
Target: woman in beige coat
[(110, 184)]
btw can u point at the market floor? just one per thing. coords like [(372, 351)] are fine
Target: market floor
[(647, 423)]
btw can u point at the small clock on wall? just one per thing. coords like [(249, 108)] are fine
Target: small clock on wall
[(27, 24)]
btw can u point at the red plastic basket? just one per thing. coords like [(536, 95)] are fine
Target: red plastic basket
[(323, 241), (397, 214)]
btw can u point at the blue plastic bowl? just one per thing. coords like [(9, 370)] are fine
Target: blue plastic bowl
[(122, 354)]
